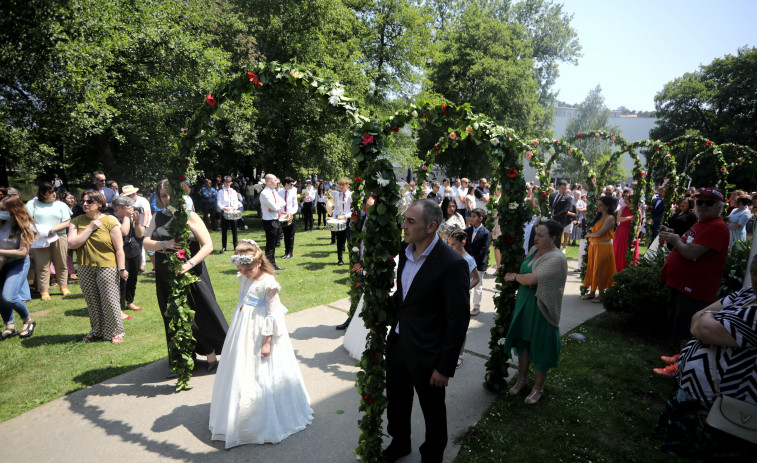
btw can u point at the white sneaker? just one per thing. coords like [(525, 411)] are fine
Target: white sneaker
[(564, 250)]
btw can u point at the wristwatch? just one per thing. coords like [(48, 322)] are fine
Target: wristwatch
[(122, 270)]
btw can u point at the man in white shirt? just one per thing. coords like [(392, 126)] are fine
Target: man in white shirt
[(227, 201), (270, 206), (289, 196), (342, 211), (308, 199)]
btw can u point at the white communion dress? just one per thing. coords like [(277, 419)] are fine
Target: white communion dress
[(258, 400)]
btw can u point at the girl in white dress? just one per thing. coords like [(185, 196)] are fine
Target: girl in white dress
[(258, 395)]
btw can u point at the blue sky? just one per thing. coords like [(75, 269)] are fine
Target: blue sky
[(632, 48)]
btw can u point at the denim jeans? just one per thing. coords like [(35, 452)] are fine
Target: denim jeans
[(14, 288)]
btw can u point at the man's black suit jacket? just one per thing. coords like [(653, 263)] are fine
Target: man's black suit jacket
[(433, 318), (479, 248), (561, 208)]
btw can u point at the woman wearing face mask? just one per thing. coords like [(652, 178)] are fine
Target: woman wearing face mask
[(56, 217), (16, 237)]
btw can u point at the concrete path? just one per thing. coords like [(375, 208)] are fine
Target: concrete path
[(138, 417)]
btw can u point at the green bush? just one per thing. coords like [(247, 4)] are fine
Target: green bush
[(637, 290), (735, 267)]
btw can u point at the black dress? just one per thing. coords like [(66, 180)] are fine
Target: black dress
[(209, 327)]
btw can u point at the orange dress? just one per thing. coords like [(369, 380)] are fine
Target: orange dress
[(600, 265)]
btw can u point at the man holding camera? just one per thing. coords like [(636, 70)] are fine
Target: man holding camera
[(142, 206)]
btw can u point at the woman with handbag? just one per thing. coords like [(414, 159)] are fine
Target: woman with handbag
[(693, 424)]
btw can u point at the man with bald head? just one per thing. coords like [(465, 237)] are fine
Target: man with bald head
[(271, 206)]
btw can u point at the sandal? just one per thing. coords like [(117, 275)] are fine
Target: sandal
[(597, 300), (45, 296), (134, 308), (588, 296), (65, 292), (8, 333), (530, 399), (28, 331), (515, 390), (117, 339)]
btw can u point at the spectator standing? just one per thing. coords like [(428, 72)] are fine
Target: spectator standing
[(600, 266), (55, 217), (658, 207), (209, 195), (482, 194), (289, 196), (479, 240), (738, 218), (16, 236), (132, 232), (97, 239), (694, 267), (98, 184), (308, 199)]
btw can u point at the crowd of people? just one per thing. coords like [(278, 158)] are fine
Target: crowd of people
[(113, 233)]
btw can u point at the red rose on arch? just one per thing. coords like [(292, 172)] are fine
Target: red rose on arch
[(210, 100), (709, 143), (548, 171), (355, 213), (425, 117), (670, 143), (254, 79), (544, 194), (510, 239), (357, 285), (181, 178), (359, 179), (181, 254), (394, 129), (436, 148), (367, 399), (424, 167), (557, 141), (444, 109), (553, 157), (735, 148), (367, 139), (580, 135), (512, 172)]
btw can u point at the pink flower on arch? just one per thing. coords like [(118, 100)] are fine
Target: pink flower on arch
[(367, 139), (529, 155), (452, 135), (612, 138), (535, 143), (181, 254), (210, 100), (596, 134), (723, 169), (667, 155)]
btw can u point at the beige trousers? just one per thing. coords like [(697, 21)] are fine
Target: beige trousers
[(56, 253)]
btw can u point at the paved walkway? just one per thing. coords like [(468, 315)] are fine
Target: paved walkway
[(138, 417)]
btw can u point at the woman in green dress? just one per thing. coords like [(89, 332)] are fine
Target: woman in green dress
[(534, 332)]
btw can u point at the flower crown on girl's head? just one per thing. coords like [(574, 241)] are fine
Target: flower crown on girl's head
[(244, 259)]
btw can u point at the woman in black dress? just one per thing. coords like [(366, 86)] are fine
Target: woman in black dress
[(209, 327)]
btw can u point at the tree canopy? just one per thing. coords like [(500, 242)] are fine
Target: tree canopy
[(719, 102)]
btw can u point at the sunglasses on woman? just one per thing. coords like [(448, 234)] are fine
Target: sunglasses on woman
[(89, 201)]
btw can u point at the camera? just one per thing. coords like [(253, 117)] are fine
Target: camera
[(139, 209)]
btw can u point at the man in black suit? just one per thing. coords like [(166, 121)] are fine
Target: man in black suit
[(430, 309), (479, 240), (561, 202)]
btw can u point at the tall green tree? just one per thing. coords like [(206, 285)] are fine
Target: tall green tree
[(718, 101), (486, 62), (92, 84), (592, 115)]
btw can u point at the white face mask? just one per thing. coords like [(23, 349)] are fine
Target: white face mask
[(5, 215)]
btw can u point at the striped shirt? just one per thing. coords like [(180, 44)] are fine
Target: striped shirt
[(736, 366)]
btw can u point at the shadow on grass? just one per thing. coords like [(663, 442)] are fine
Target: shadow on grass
[(83, 312), (41, 340)]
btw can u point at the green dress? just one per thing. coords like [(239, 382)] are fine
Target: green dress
[(530, 330)]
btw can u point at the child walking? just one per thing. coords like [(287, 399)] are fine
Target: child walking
[(258, 395)]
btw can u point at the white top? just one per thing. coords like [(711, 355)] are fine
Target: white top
[(226, 199), (308, 194), (289, 197), (342, 203), (321, 198), (146, 214), (459, 193), (270, 204)]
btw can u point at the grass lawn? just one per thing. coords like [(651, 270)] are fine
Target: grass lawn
[(53, 362), (600, 405)]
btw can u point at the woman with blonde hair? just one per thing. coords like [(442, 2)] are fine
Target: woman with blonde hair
[(16, 237)]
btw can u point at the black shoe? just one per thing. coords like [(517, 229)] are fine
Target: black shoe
[(276, 267), (344, 325), (287, 256), (395, 452), (341, 262), (223, 250), (212, 365)]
